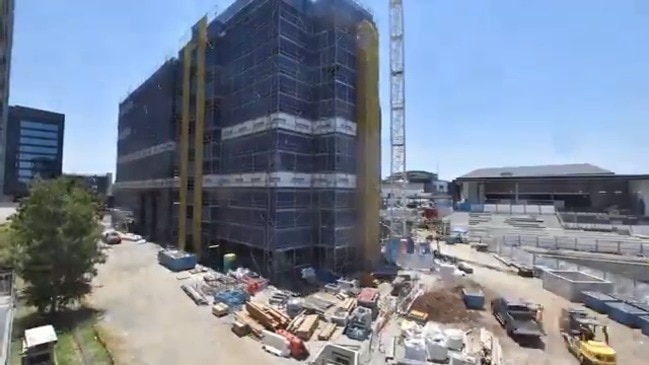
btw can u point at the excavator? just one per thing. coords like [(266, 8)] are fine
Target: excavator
[(580, 331)]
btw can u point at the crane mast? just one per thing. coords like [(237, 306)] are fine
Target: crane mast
[(397, 203)]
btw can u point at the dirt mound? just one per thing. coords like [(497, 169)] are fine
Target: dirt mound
[(444, 305)]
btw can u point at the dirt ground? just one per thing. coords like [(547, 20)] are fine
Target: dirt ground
[(631, 345), (156, 322)]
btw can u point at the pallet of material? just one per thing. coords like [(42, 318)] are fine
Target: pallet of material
[(348, 304), (268, 317), (255, 328), (327, 331), (296, 322), (308, 326)]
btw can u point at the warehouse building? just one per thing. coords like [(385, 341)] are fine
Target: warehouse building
[(572, 187), (251, 137)]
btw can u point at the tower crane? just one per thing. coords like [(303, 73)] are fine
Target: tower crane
[(397, 201)]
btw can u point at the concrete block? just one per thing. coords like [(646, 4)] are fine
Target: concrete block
[(569, 284), (503, 208), (490, 208)]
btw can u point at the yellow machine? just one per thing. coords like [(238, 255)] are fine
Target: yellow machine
[(581, 334)]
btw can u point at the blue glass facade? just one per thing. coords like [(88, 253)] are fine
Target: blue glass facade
[(34, 147)]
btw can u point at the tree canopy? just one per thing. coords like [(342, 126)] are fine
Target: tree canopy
[(54, 242)]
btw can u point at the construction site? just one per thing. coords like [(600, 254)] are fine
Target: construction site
[(248, 187), (249, 142)]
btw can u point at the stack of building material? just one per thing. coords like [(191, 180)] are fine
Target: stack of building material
[(244, 318), (327, 331), (369, 298), (220, 310), (233, 298), (240, 329), (307, 327), (197, 297), (268, 317), (348, 304)]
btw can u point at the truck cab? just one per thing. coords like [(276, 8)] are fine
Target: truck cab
[(517, 317)]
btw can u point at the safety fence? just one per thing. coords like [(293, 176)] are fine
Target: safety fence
[(629, 247), (622, 285), (528, 209)]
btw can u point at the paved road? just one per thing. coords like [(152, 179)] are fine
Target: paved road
[(5, 212)]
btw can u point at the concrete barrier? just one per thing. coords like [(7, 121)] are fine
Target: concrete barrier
[(570, 284)]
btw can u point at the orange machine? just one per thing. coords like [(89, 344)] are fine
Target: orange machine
[(296, 345)]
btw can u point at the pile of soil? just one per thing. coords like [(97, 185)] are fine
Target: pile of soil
[(444, 305)]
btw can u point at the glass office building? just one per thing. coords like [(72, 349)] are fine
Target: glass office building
[(34, 147)]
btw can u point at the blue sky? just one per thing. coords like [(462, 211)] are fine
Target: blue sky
[(488, 83)]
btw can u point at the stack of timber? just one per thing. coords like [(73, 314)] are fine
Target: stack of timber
[(244, 318), (348, 304), (268, 317), (304, 330), (327, 331)]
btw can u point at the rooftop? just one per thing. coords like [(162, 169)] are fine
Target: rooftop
[(40, 336), (537, 171)]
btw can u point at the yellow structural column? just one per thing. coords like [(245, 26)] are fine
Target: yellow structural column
[(198, 136), (184, 147), (369, 142)]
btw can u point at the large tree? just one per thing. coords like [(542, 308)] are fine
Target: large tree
[(54, 239)]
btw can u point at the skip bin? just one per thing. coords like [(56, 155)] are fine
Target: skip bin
[(625, 314), (643, 321), (473, 299), (598, 301)]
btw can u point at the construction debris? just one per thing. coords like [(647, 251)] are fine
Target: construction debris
[(443, 305)]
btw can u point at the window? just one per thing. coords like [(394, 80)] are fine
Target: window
[(38, 149), (39, 142), (31, 156), (25, 164), (39, 125), (25, 173), (35, 133)]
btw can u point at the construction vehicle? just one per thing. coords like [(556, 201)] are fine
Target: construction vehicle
[(517, 317), (580, 331)]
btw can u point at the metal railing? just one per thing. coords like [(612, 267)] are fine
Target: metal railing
[(622, 285), (594, 244)]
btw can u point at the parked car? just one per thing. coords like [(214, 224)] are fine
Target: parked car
[(112, 238)]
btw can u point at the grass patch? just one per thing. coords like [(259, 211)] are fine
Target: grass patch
[(92, 348), (77, 340), (67, 352)]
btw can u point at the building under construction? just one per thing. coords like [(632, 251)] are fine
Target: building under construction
[(262, 138)]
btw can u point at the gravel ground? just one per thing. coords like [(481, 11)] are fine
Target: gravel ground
[(158, 323), (631, 345)]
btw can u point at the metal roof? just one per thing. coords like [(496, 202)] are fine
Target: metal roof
[(537, 171)]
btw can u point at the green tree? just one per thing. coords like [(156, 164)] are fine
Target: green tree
[(54, 243)]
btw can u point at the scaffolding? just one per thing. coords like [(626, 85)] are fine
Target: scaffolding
[(267, 152), (146, 153)]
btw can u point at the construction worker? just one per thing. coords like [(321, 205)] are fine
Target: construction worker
[(539, 316), (605, 332)]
